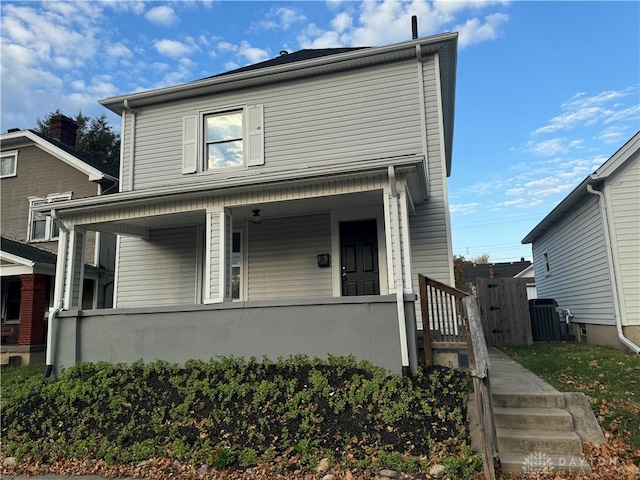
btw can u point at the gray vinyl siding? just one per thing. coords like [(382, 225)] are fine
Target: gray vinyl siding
[(282, 258), (327, 120), (579, 270), (160, 270), (625, 201), (430, 231)]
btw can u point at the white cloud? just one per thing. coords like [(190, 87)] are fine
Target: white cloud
[(279, 18), (583, 110), (389, 21), (118, 50), (252, 54), (476, 31), (464, 208), (179, 74), (172, 48), (341, 22), (548, 148), (163, 16), (226, 47)]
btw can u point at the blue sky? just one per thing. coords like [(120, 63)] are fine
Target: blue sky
[(546, 91)]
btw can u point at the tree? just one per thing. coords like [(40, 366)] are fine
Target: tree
[(94, 136), (458, 272), (481, 259)]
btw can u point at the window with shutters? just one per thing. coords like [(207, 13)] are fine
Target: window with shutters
[(230, 138)]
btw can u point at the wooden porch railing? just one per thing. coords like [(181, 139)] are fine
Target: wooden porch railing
[(443, 319), (451, 319)]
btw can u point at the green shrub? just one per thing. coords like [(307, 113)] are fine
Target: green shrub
[(231, 412)]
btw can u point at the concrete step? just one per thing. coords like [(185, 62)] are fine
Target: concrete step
[(554, 419), (528, 400), (511, 440), (537, 462)]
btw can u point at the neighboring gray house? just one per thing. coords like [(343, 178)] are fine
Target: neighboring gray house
[(587, 252), (282, 208)]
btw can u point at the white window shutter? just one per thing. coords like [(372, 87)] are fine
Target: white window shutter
[(256, 135), (190, 144)]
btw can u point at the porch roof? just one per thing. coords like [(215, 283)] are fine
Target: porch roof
[(413, 166)]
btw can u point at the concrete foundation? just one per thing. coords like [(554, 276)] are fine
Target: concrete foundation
[(605, 335)]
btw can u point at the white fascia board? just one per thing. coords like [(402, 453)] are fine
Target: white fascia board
[(305, 175), (15, 259), (93, 173), (625, 152), (219, 83)]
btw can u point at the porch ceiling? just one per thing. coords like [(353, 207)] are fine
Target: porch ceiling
[(242, 213)]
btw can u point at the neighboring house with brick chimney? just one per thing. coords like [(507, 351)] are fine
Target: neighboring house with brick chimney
[(36, 171)]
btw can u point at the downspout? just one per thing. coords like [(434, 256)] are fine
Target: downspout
[(423, 119), (132, 141), (58, 292), (612, 270), (398, 269)]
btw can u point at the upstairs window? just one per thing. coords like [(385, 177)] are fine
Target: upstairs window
[(8, 164), (217, 140), (42, 227), (223, 140)]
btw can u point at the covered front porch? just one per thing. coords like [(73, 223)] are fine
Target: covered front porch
[(328, 258)]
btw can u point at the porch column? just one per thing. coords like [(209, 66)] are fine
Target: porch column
[(32, 307), (218, 246), (74, 271), (399, 266)]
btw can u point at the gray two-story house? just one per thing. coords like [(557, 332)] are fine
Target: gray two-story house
[(282, 208)]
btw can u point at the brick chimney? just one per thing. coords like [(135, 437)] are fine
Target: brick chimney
[(64, 129)]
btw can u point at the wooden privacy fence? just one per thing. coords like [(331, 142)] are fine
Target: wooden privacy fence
[(451, 319), (504, 311)]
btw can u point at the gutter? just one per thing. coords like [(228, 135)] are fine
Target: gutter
[(612, 264), (58, 293)]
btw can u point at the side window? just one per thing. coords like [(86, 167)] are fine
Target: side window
[(547, 266), (9, 164), (218, 140), (236, 266), (42, 227)]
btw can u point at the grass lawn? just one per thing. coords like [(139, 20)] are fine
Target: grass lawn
[(609, 377)]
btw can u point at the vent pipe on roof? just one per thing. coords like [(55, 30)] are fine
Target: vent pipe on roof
[(414, 27)]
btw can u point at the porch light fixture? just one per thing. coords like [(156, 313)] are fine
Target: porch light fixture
[(256, 217)]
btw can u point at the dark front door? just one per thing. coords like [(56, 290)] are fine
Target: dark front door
[(359, 257)]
